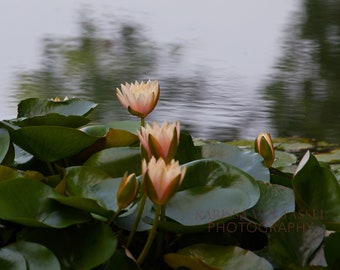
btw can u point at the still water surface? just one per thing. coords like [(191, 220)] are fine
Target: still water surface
[(227, 69)]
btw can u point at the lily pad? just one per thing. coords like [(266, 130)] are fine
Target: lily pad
[(25, 255), (27, 202), (85, 246), (213, 257), (248, 161), (283, 159), (212, 190), (51, 143), (4, 143), (51, 119), (330, 158), (294, 239), (275, 201), (117, 160), (38, 106), (317, 189)]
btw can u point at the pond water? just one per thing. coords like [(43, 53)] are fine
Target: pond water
[(227, 69)]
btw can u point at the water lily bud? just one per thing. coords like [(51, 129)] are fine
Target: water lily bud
[(139, 98), (264, 146), (161, 180), (127, 190), (160, 141)]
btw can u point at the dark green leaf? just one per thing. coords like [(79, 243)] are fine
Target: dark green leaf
[(212, 190), (331, 250), (51, 119), (294, 239), (27, 202), (51, 143), (275, 201), (37, 257), (248, 161), (4, 143), (37, 106), (209, 257), (316, 189), (78, 247), (116, 161)]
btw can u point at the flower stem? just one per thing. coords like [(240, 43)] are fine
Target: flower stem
[(142, 122), (114, 216), (151, 237), (137, 219)]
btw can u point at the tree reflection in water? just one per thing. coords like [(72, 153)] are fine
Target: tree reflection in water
[(305, 91)]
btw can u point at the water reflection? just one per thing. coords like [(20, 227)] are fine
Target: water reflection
[(305, 91), (93, 64)]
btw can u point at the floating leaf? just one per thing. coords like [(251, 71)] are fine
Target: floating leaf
[(248, 161), (4, 143), (119, 138), (331, 250), (210, 257), (51, 119), (26, 255), (330, 158), (38, 106), (51, 143), (212, 190), (283, 159), (8, 173), (85, 246), (27, 202), (116, 161), (294, 239), (275, 201), (316, 189)]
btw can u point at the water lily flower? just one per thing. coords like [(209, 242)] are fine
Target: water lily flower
[(160, 141), (161, 180), (57, 99), (139, 98), (264, 146), (127, 190)]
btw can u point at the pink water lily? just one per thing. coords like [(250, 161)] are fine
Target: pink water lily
[(160, 141), (139, 98), (161, 180)]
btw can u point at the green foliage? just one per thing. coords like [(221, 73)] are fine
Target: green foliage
[(59, 177)]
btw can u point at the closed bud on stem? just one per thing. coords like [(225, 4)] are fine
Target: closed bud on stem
[(264, 146), (127, 190), (161, 180)]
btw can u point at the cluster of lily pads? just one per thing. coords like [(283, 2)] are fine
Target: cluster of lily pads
[(133, 195)]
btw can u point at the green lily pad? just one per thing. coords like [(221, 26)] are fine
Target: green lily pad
[(248, 161), (117, 160), (51, 119), (25, 255), (212, 190), (213, 257), (37, 106), (283, 159), (330, 158), (331, 250), (317, 189), (27, 202), (51, 143), (4, 143), (85, 246), (8, 173), (275, 201), (294, 239)]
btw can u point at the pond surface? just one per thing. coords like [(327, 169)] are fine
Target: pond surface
[(227, 69)]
